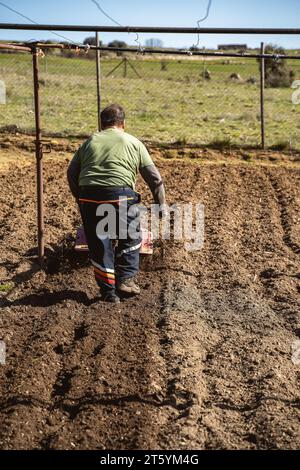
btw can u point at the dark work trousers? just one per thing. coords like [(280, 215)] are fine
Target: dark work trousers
[(113, 261)]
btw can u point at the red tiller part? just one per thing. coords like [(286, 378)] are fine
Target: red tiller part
[(146, 248)]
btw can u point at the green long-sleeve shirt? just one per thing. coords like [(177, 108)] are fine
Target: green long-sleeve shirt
[(111, 158), (114, 158)]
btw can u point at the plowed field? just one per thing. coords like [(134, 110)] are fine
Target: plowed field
[(201, 360)]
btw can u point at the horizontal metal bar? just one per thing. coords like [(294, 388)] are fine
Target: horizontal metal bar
[(42, 45), (148, 29), (29, 48), (169, 51), (203, 53), (15, 47)]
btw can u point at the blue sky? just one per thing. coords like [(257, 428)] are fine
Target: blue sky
[(224, 13)]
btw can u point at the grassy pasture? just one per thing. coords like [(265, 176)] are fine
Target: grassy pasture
[(168, 103)]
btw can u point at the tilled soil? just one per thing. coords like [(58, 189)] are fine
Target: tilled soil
[(201, 360)]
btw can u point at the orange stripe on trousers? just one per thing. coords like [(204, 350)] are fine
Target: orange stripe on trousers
[(103, 273), (106, 202), (105, 279)]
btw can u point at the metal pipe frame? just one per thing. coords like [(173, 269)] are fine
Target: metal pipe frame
[(262, 97), (98, 79), (15, 47), (38, 145), (148, 29), (39, 158), (34, 49)]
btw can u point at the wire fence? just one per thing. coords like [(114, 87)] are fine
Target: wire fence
[(192, 100)]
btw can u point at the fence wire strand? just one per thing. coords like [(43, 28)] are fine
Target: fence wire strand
[(201, 20), (137, 39), (34, 22)]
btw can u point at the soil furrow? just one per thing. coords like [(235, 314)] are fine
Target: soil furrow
[(201, 360)]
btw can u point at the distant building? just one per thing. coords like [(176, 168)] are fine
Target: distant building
[(235, 47), (154, 42)]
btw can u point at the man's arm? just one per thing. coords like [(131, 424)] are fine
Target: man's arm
[(153, 179), (73, 175), (152, 176)]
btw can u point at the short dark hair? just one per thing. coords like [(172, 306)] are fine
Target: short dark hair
[(113, 115)]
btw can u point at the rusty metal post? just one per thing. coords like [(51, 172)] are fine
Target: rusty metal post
[(98, 72), (262, 95), (39, 158)]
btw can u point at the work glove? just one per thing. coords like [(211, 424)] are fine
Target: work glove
[(163, 211)]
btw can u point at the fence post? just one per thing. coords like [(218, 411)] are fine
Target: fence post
[(125, 67), (39, 157), (262, 95), (98, 72)]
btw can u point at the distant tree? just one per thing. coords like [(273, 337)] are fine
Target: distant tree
[(91, 40), (154, 42), (117, 44), (277, 74), (195, 49)]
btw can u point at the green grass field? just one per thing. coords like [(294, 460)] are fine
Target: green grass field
[(175, 104)]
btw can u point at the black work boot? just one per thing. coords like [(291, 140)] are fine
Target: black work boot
[(111, 297), (128, 286)]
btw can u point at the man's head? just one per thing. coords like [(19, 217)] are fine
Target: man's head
[(113, 116)]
